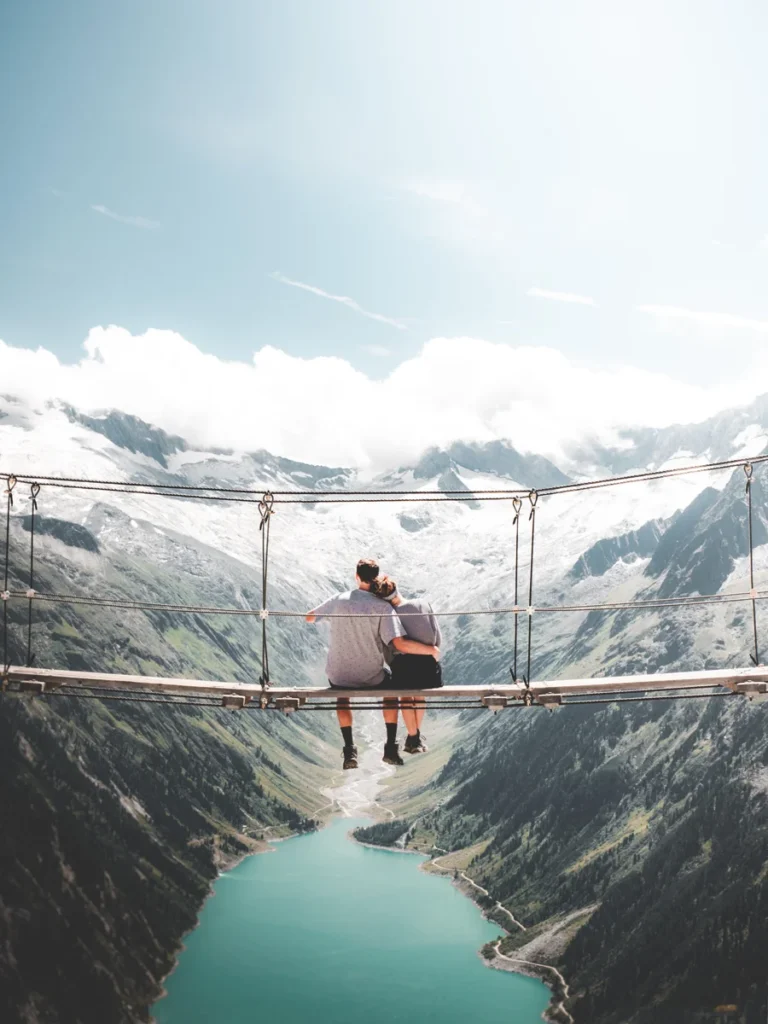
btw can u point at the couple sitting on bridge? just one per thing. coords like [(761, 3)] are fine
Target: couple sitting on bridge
[(380, 641)]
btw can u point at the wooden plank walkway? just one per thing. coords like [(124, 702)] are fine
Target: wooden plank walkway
[(752, 682)]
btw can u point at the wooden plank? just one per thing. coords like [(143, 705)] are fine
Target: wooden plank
[(730, 678)]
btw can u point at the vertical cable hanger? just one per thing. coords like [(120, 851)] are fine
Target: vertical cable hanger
[(517, 505), (755, 655), (533, 498), (266, 510), (11, 483), (34, 490)]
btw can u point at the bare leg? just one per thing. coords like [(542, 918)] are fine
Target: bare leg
[(410, 715), (344, 712), (419, 710)]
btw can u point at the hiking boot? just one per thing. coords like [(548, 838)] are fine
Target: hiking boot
[(415, 745), (392, 754), (350, 757)]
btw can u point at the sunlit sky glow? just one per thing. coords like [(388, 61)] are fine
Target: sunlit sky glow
[(578, 185)]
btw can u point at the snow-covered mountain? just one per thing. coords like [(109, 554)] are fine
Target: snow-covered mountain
[(615, 543), (578, 810)]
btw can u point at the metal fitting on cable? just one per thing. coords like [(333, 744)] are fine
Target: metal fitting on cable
[(34, 490), (264, 613), (517, 504), (533, 497), (10, 484)]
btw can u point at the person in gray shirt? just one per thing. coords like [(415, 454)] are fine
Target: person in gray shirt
[(408, 673), (364, 628)]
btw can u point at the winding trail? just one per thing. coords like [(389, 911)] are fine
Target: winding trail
[(565, 990), (497, 906)]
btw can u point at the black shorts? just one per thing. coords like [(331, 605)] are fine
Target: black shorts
[(415, 672), (408, 672)]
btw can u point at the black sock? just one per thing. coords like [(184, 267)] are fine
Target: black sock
[(346, 732), (391, 732)]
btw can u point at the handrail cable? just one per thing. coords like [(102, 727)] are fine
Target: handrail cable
[(212, 493), (605, 606)]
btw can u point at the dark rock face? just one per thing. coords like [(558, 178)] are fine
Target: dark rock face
[(72, 534), (698, 551), (606, 553), (502, 459), (133, 434), (496, 458)]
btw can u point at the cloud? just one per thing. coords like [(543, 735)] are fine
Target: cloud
[(135, 222), (724, 321), (343, 299), (316, 409), (377, 350), (542, 293)]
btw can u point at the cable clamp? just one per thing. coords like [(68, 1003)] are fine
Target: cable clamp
[(753, 593), (31, 594), (6, 595), (530, 610), (517, 504), (11, 483), (34, 490), (264, 613)]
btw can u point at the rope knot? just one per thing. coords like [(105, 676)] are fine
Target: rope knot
[(34, 490), (10, 484), (517, 504), (748, 471), (533, 497), (266, 508)]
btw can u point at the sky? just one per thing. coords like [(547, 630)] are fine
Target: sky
[(553, 210)]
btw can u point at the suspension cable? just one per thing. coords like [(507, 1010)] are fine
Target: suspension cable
[(192, 609), (517, 505), (10, 484), (34, 490), (755, 655), (266, 510), (319, 497), (533, 498)]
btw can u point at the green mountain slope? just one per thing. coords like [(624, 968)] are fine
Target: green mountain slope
[(117, 816)]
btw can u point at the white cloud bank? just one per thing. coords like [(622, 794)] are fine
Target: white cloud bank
[(323, 410)]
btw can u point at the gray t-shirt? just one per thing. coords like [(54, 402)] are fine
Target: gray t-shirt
[(419, 622), (356, 652)]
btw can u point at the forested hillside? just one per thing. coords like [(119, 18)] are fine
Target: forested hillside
[(116, 816), (644, 825)]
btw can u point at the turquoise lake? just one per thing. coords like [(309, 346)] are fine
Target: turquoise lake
[(328, 931)]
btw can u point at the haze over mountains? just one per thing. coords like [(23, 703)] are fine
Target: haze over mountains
[(510, 786)]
